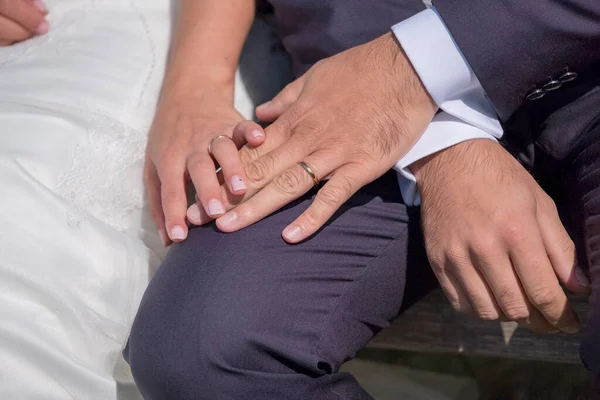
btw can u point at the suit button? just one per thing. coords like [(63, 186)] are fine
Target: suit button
[(535, 94), (553, 84), (568, 77)]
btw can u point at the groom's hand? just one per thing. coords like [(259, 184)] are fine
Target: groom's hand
[(494, 238), (351, 117)]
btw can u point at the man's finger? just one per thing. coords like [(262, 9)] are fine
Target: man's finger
[(452, 289), (473, 284), (275, 108), (496, 268), (26, 14), (276, 135), (529, 258), (285, 188), (264, 169), (343, 184), (561, 251)]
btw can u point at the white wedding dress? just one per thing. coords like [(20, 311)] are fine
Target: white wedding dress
[(77, 246)]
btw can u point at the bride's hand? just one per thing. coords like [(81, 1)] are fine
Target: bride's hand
[(178, 150), (21, 20)]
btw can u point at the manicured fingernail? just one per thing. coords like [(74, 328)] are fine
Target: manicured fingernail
[(256, 134), (163, 238), (193, 213), (228, 220), (292, 233), (582, 278), (177, 233), (237, 183), (40, 6), (43, 28), (215, 207)]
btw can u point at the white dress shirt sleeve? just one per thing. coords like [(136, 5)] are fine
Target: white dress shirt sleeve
[(445, 73), (444, 131)]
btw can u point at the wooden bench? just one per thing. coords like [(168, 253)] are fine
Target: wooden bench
[(433, 325)]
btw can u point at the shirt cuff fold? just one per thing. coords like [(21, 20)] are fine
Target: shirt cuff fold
[(444, 131)]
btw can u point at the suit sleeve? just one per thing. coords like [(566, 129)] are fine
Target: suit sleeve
[(517, 46)]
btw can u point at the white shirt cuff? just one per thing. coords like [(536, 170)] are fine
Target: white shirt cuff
[(453, 86), (444, 71), (444, 131)]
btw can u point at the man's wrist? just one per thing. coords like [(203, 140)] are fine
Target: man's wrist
[(442, 162), (404, 71)]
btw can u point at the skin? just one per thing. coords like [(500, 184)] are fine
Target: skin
[(351, 117), (21, 20), (508, 250), (196, 106)]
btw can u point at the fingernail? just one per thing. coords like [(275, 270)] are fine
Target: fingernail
[(227, 220), (582, 278), (215, 207), (40, 6), (43, 28), (193, 213), (292, 233), (237, 183), (163, 238), (256, 134), (177, 233)]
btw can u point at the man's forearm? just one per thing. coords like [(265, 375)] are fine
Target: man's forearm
[(208, 41)]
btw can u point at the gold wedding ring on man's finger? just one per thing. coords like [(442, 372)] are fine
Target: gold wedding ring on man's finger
[(310, 172)]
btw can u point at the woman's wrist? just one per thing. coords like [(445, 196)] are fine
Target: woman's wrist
[(202, 85)]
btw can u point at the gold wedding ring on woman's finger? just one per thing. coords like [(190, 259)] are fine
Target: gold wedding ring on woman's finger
[(310, 171), (212, 141)]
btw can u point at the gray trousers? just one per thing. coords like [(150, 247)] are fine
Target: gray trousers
[(248, 316)]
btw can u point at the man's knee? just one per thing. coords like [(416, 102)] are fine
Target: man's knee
[(190, 336)]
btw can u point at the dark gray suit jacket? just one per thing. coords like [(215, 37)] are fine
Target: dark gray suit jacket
[(515, 46)]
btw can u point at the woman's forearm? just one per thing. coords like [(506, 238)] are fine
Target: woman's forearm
[(207, 45)]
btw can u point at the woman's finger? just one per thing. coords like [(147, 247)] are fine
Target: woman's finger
[(248, 132), (225, 153), (152, 183), (174, 200), (201, 168), (27, 14), (530, 260), (11, 32), (273, 109), (283, 189)]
